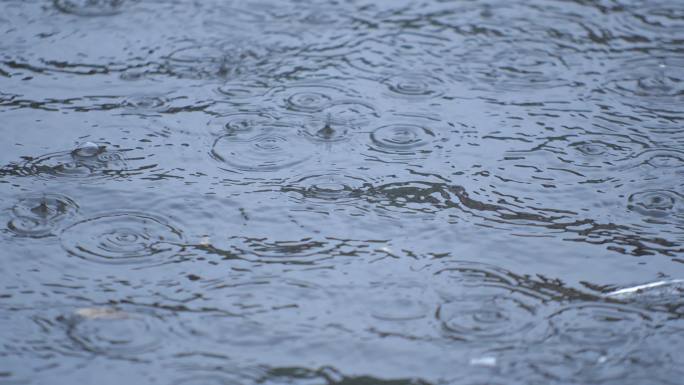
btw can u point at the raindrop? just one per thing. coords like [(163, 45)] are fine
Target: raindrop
[(308, 101), (310, 98), (656, 203), (605, 328), (480, 317), (123, 238), (334, 186), (650, 81), (483, 304), (404, 140), (38, 215), (590, 148), (30, 227), (326, 130), (415, 85), (243, 124), (270, 151)]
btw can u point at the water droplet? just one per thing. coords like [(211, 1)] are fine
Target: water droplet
[(123, 238)]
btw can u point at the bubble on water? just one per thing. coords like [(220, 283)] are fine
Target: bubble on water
[(114, 332), (88, 149), (656, 203), (90, 7), (86, 161), (415, 85), (269, 151), (123, 238)]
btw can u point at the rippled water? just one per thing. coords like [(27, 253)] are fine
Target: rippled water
[(357, 192)]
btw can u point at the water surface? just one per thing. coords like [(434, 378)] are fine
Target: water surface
[(341, 192)]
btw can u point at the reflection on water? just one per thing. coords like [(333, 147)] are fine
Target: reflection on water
[(361, 192)]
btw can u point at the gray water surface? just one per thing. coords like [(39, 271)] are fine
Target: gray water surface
[(342, 192)]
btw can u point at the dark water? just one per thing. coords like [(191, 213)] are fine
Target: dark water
[(345, 192)]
